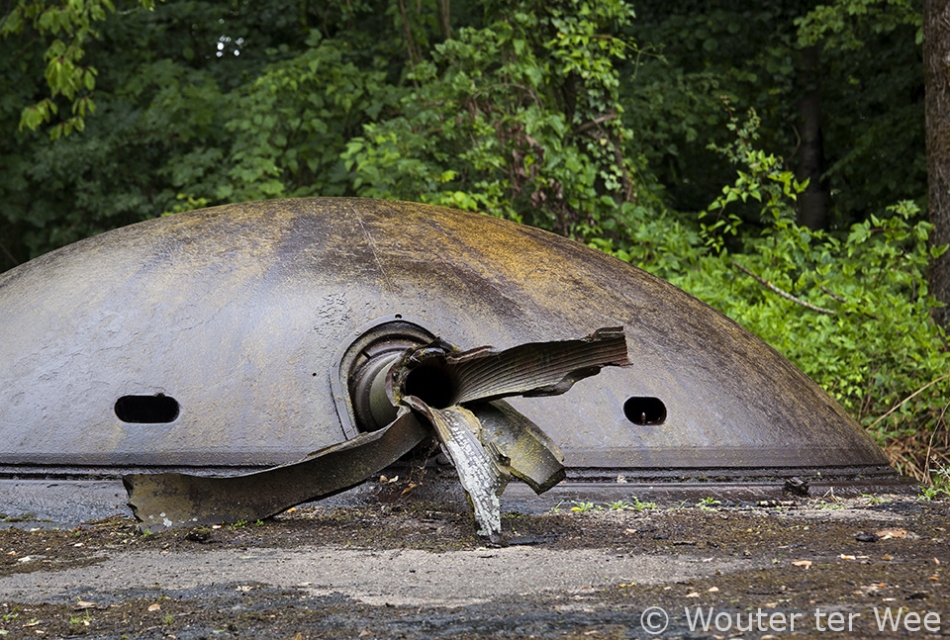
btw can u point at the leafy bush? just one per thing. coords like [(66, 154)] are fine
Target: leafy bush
[(519, 119)]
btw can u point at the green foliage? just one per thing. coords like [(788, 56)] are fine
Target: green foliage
[(850, 308), (871, 82), (874, 93), (696, 53), (848, 24), (286, 129), (584, 507), (760, 178), (179, 125), (519, 119), (939, 485), (635, 504), (72, 25)]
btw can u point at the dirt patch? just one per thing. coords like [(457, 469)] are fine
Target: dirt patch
[(419, 571)]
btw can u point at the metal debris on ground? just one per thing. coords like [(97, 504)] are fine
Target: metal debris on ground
[(438, 391)]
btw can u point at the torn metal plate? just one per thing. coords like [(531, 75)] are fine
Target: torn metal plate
[(234, 339), (430, 385)]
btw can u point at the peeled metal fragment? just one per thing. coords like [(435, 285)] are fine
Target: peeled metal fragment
[(161, 500), (532, 369), (539, 368), (478, 468), (436, 379), (530, 455)]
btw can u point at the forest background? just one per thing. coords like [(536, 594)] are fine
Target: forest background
[(768, 157)]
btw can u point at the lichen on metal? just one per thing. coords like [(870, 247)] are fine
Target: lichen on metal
[(240, 338)]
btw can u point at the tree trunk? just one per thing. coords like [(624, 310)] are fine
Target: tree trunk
[(937, 104), (411, 52), (813, 203), (444, 10)]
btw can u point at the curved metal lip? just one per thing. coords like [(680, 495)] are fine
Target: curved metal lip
[(337, 375), (54, 497)]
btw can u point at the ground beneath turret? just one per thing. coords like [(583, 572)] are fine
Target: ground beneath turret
[(863, 567)]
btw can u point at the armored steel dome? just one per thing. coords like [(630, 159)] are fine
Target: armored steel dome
[(230, 338)]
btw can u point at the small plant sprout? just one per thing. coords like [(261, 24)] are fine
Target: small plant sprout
[(635, 504), (639, 505), (584, 507), (939, 487), (83, 620)]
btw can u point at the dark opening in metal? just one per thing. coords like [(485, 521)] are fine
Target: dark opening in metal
[(433, 384), (644, 411), (155, 409)]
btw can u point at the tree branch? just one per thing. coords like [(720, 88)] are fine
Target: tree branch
[(910, 397), (842, 300), (593, 123), (414, 57), (783, 293), (832, 294)]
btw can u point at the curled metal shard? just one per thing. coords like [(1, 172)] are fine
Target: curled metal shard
[(161, 500), (478, 468), (484, 462), (523, 448), (216, 342)]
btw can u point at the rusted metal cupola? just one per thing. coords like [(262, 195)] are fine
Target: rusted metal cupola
[(237, 338)]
